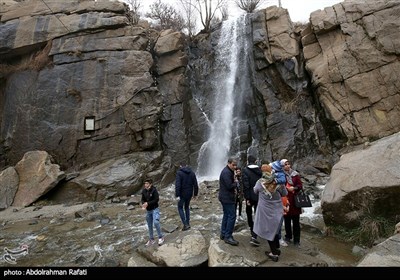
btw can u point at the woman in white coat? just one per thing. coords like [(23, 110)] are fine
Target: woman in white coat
[(269, 211)]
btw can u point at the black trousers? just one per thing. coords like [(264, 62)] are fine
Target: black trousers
[(295, 234), (249, 213), (274, 245)]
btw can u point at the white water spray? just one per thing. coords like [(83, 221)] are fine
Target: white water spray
[(214, 153)]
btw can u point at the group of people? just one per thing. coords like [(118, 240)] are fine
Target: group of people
[(268, 192)]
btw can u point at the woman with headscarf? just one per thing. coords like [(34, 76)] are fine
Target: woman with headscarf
[(294, 186), (269, 211)]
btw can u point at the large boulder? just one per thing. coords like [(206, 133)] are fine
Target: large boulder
[(364, 184), (37, 175), (8, 186)]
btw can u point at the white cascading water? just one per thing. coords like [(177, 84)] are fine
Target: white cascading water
[(214, 153)]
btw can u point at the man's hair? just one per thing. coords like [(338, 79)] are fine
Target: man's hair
[(251, 159), (264, 161), (148, 180)]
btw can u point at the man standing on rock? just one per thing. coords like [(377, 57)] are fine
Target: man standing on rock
[(227, 197), (186, 187)]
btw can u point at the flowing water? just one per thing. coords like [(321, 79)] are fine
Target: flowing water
[(108, 234), (230, 81)]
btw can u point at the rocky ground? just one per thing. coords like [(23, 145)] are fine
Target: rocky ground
[(110, 233)]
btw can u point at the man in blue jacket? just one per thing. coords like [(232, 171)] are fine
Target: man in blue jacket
[(186, 187)]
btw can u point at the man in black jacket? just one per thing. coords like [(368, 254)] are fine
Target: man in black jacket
[(250, 176), (149, 202), (186, 187), (227, 197)]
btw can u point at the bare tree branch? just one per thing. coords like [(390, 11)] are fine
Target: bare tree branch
[(189, 16), (207, 10), (248, 6), (166, 15), (133, 14)]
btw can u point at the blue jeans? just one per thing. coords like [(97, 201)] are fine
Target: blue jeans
[(184, 210), (153, 217), (228, 219)]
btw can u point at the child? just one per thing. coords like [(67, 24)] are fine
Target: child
[(285, 203), (239, 191), (150, 203)]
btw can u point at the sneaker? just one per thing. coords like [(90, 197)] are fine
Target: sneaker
[(150, 242), (254, 242), (161, 241), (283, 243)]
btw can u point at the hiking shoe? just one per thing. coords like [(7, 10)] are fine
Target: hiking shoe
[(185, 227), (150, 242), (221, 237), (283, 243), (160, 241), (273, 257), (254, 242), (231, 241)]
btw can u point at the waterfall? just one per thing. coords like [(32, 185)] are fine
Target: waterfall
[(229, 81)]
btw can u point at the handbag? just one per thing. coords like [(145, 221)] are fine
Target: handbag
[(302, 200)]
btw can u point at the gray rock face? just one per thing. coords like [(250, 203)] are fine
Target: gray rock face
[(352, 58), (384, 254), (122, 175), (100, 68), (37, 22)]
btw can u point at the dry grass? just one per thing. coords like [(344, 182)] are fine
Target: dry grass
[(372, 227), (36, 61), (293, 105), (41, 59), (75, 93)]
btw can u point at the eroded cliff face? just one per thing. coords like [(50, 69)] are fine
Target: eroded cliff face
[(97, 66), (276, 115), (313, 89), (352, 55)]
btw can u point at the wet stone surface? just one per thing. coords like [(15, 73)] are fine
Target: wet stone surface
[(108, 234)]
